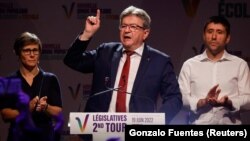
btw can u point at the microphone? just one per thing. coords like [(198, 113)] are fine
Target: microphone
[(105, 91), (108, 89)]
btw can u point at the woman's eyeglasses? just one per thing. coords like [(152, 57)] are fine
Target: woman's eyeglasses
[(29, 51)]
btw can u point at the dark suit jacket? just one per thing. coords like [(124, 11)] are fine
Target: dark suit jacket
[(155, 76)]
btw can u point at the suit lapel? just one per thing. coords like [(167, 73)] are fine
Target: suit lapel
[(115, 64), (142, 68)]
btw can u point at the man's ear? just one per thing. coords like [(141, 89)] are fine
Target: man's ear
[(146, 34), (228, 39)]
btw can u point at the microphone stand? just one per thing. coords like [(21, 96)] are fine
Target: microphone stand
[(108, 89), (105, 91)]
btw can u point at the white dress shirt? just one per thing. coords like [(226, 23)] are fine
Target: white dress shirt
[(199, 74), (135, 60)]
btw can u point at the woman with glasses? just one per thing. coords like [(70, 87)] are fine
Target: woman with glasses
[(43, 89), (136, 86)]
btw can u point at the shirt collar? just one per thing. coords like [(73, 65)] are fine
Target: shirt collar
[(138, 51), (225, 57)]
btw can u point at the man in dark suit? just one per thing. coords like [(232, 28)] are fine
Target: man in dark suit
[(150, 73)]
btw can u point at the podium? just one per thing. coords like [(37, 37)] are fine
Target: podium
[(104, 126)]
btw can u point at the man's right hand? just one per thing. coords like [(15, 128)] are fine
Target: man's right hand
[(211, 97), (213, 92), (92, 24)]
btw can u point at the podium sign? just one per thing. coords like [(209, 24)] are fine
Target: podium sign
[(103, 126)]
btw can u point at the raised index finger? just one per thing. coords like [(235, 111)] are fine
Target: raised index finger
[(98, 13)]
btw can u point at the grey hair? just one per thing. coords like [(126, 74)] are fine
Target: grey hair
[(142, 14)]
